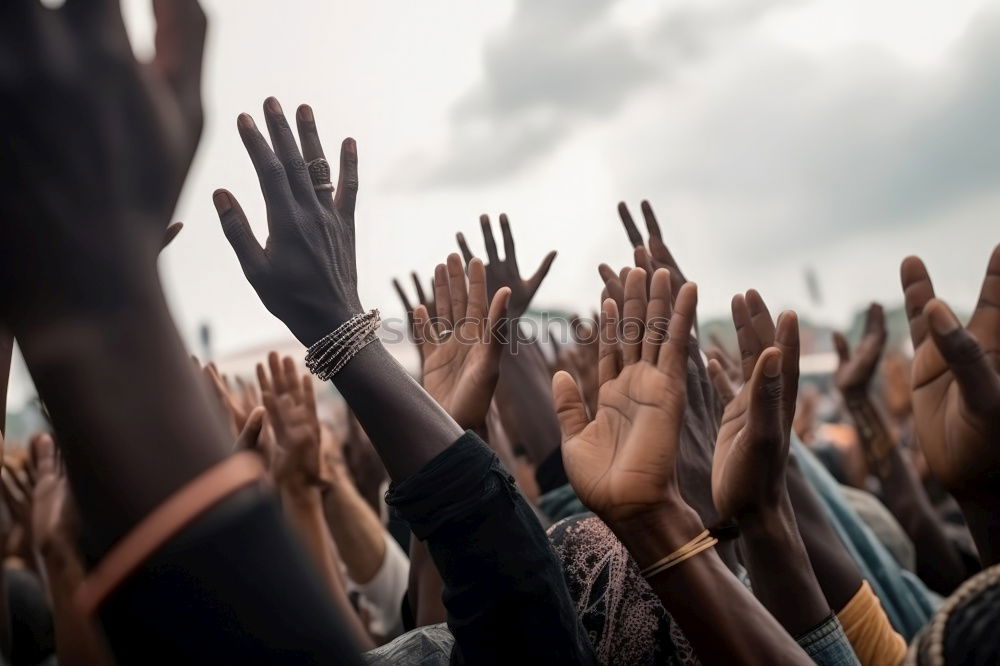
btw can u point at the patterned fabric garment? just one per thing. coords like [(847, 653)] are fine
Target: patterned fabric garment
[(623, 617)]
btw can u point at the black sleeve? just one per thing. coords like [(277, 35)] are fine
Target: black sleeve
[(234, 587), (504, 590)]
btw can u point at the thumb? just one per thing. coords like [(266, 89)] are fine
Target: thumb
[(250, 435), (764, 420), (976, 378), (569, 405)]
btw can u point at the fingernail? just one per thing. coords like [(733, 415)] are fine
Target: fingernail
[(306, 113), (271, 105), (245, 121), (942, 320), (772, 366), (223, 202)]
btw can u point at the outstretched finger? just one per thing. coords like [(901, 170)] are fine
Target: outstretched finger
[(442, 297), (631, 230), (609, 353), (634, 316), (237, 229), (509, 255), (402, 296), (291, 378), (746, 337), (760, 318), (569, 404), (497, 322), (535, 281), (270, 173), (917, 291), (249, 437), (842, 346), (464, 247), (985, 321), (457, 288), (674, 355), (491, 245), (180, 47), (976, 378), (477, 290), (312, 148), (347, 184), (766, 420), (657, 315), (786, 340)]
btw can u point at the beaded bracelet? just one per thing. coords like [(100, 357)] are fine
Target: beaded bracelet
[(327, 356)]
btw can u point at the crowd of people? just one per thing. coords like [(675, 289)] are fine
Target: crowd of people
[(637, 494)]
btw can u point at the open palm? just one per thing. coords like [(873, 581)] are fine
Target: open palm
[(623, 463), (956, 386), (460, 348), (751, 451)]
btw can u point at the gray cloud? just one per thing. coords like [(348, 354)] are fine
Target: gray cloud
[(819, 147), (562, 62)]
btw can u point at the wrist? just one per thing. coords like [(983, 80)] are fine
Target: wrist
[(770, 523), (651, 535)]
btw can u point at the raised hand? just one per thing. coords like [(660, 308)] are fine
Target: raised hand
[(622, 464), (113, 136), (305, 273), (460, 348), (291, 407), (751, 452), (856, 369), (656, 253), (422, 298), (504, 272), (956, 388)]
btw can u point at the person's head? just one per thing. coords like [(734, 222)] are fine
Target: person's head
[(963, 631)]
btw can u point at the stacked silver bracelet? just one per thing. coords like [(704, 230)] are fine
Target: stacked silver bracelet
[(330, 354)]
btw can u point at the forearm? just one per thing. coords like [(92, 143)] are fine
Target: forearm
[(835, 570), (304, 510), (425, 586), (525, 390), (938, 562), (982, 513), (133, 421), (407, 426), (782, 576), (356, 529), (721, 619)]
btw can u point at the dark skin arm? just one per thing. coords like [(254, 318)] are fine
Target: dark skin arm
[(938, 562), (748, 475), (303, 223), (956, 397), (831, 564), (523, 390), (633, 486), (101, 315)]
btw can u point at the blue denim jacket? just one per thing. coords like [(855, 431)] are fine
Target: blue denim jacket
[(827, 644), (906, 600)]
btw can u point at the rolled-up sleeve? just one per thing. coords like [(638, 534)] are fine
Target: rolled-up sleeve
[(827, 644), (504, 590)]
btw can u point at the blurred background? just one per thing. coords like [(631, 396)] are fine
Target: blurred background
[(800, 147)]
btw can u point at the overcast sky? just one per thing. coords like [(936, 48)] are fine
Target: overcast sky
[(770, 135)]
